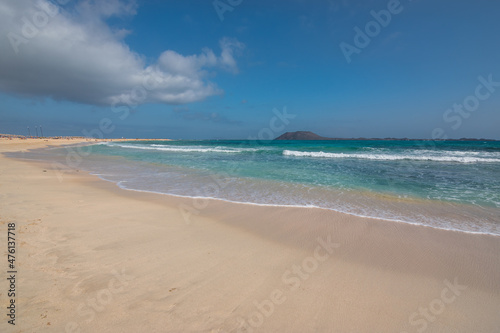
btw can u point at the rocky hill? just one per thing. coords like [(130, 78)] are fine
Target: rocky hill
[(301, 135)]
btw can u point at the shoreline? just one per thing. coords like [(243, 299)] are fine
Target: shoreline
[(336, 210), (299, 207), (404, 210), (208, 273)]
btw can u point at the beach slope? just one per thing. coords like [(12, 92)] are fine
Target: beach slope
[(91, 257)]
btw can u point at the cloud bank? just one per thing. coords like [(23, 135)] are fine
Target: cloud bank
[(51, 50)]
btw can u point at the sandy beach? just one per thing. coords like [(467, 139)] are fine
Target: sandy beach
[(91, 257)]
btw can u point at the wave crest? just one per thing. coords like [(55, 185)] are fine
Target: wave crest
[(182, 149), (392, 157)]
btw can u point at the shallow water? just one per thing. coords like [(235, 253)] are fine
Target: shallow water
[(451, 185)]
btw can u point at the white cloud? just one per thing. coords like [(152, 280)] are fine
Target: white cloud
[(48, 51)]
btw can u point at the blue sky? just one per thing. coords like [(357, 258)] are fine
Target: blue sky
[(179, 71)]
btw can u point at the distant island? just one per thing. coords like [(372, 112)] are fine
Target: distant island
[(301, 135), (307, 135)]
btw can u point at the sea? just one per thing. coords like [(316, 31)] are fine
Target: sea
[(442, 184)]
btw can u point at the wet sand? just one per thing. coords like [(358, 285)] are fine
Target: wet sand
[(92, 257)]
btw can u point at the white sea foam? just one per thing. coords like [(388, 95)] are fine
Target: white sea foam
[(185, 149), (185, 182), (433, 222), (416, 156)]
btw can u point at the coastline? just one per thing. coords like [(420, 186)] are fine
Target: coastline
[(92, 254), (283, 206)]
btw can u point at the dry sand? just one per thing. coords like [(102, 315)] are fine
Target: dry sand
[(95, 258)]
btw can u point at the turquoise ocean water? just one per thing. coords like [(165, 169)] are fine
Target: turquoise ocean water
[(445, 184)]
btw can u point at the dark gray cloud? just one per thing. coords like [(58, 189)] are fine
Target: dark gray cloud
[(47, 51)]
